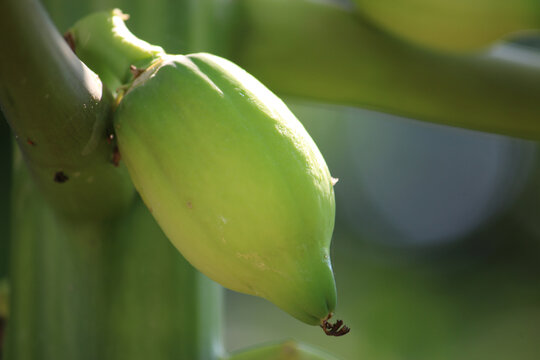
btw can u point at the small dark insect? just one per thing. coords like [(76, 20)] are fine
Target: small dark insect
[(135, 71), (334, 329), (70, 40), (30, 142), (60, 177), (116, 156), (110, 138)]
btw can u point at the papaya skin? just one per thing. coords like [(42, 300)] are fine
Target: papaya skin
[(233, 179), (229, 173)]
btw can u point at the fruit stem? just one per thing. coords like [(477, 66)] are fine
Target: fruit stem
[(105, 44)]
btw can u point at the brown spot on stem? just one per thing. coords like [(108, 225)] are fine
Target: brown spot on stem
[(189, 205), (60, 177), (334, 329), (116, 157), (135, 71), (70, 40)]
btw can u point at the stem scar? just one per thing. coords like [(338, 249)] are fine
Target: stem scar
[(116, 156), (135, 71), (70, 40), (60, 177)]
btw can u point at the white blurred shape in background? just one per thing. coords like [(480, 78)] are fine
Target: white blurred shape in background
[(418, 183)]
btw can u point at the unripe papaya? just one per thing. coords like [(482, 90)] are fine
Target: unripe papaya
[(229, 173), (233, 179)]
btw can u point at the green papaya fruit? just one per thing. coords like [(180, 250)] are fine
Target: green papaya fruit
[(228, 172), (233, 179)]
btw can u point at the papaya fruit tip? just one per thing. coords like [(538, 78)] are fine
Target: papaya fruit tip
[(335, 329)]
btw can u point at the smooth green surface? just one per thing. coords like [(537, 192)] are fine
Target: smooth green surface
[(109, 48), (234, 180), (459, 25), (319, 51), (288, 350)]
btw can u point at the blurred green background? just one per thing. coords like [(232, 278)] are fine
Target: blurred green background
[(437, 242)]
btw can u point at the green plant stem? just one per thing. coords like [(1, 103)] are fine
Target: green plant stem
[(322, 52), (59, 113), (103, 291)]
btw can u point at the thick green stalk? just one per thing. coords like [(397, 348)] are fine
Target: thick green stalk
[(320, 51), (59, 113), (112, 290)]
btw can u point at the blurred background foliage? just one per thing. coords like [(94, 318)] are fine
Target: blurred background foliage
[(437, 242)]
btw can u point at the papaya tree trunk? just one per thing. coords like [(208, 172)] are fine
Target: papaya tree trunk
[(109, 290)]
